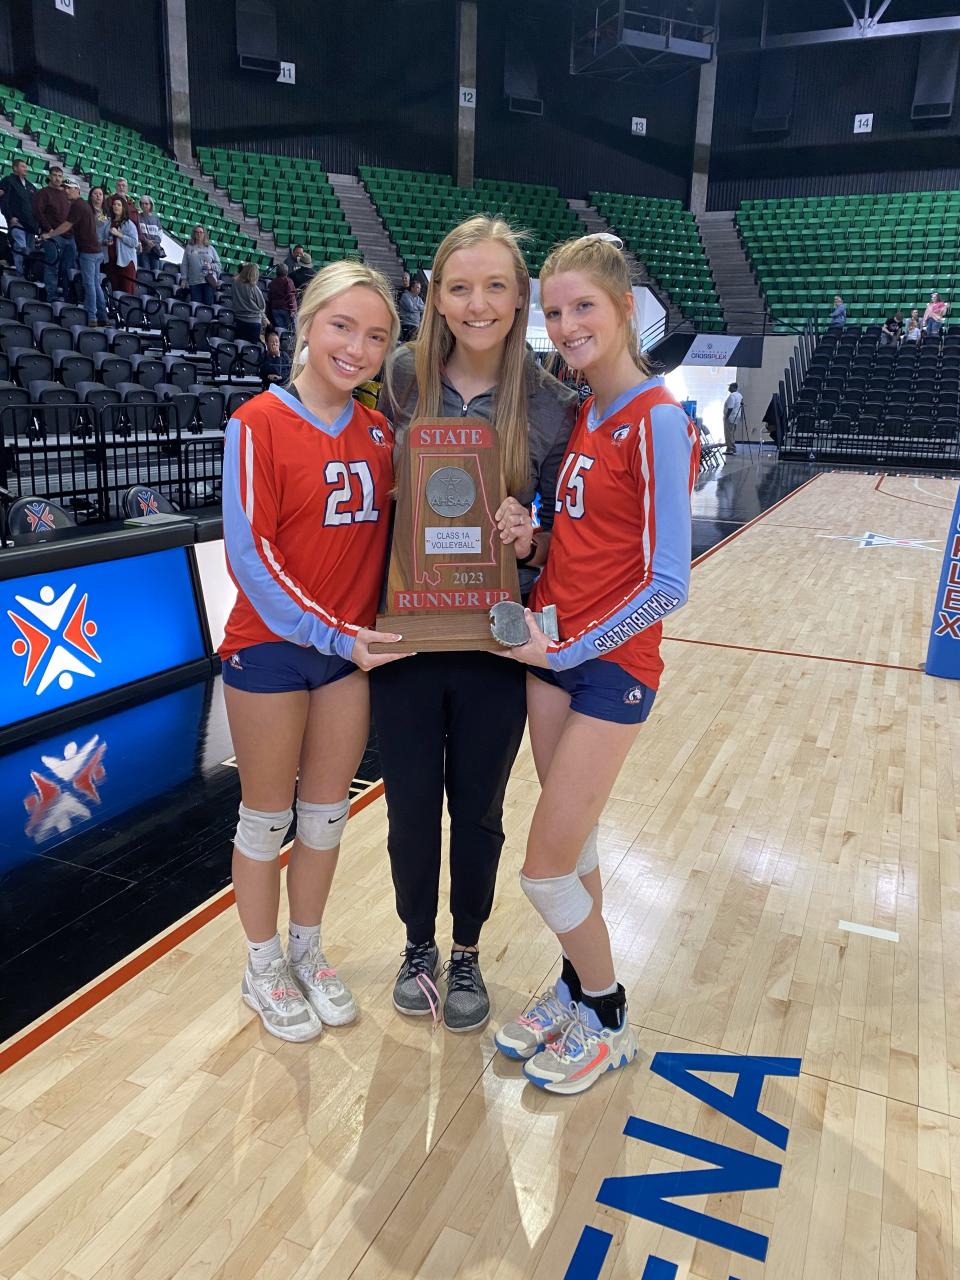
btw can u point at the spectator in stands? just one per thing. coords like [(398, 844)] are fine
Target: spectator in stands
[(123, 192), (16, 205), (282, 299), (404, 286), (151, 236), (411, 311), (200, 268), (294, 259), (913, 329), (81, 224), (935, 315), (838, 316), (50, 208), (732, 418), (892, 328), (248, 303), (305, 272), (275, 366), (123, 241)]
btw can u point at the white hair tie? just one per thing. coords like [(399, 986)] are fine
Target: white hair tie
[(607, 237)]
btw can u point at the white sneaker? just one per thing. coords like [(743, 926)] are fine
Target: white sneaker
[(274, 994), (329, 996)]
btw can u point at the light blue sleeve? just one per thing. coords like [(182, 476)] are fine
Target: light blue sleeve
[(258, 568), (667, 581)]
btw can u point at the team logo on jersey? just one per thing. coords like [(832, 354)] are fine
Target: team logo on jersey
[(620, 434), (235, 662), (39, 517), (377, 436), (147, 502), (66, 792), (68, 641), (633, 697)]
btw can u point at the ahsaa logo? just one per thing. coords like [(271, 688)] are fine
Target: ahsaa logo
[(68, 640)]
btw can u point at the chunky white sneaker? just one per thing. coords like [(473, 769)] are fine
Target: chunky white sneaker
[(584, 1052), (275, 996), (329, 996), (546, 1021)]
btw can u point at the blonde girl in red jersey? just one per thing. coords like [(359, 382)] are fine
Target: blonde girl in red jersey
[(618, 562), (307, 479)]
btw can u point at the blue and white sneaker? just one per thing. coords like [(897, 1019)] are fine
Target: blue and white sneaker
[(582, 1054), (546, 1021)]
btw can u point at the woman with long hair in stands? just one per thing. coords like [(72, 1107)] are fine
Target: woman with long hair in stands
[(308, 474), (619, 562), (123, 241), (451, 723)]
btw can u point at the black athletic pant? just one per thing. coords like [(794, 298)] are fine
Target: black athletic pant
[(447, 722)]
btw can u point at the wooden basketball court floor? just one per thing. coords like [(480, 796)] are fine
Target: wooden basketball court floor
[(782, 866)]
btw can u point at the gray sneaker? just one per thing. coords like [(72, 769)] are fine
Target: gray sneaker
[(467, 1005), (415, 990)]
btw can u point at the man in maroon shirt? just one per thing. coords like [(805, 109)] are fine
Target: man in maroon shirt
[(59, 251), (81, 223)]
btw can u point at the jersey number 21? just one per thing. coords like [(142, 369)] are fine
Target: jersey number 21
[(338, 509)]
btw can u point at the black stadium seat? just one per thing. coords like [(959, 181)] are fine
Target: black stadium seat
[(13, 334), (71, 367), (112, 369), (210, 406), (27, 364), (13, 417), (141, 500), (179, 371), (51, 337), (87, 340), (183, 405), (38, 517), (97, 395), (147, 370)]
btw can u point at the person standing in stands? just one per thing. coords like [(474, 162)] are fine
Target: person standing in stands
[(200, 268), (123, 242), (123, 191), (451, 723), (81, 223), (838, 316), (732, 418), (307, 478), (247, 303), (151, 236), (50, 209), (404, 286), (16, 205), (411, 311), (935, 315), (282, 298)]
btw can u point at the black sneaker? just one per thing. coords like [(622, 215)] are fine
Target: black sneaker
[(415, 992), (467, 1005)]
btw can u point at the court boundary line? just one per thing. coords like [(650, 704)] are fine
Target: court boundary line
[(44, 1028), (58, 1019), (898, 497), (791, 653)]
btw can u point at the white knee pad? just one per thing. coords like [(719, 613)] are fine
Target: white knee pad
[(562, 900), (260, 835), (320, 826), (589, 858)]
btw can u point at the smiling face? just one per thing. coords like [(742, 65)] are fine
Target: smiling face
[(348, 339), (583, 321), (479, 296)]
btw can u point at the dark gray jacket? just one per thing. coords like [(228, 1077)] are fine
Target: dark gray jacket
[(551, 414)]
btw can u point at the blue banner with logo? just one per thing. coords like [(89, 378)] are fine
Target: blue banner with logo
[(71, 633), (943, 651)]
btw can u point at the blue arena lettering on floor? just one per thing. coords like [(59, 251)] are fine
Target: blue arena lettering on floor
[(650, 1195)]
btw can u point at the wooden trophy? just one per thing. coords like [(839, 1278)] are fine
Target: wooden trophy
[(448, 567)]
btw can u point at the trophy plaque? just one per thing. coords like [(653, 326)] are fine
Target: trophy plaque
[(448, 567)]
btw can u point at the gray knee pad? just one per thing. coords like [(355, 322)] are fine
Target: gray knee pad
[(260, 836), (562, 900), (589, 858), (320, 826)]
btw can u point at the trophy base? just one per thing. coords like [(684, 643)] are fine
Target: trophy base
[(426, 633)]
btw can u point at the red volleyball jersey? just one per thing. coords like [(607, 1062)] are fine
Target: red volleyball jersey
[(306, 509), (619, 557)]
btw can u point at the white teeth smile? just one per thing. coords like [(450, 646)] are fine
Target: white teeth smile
[(479, 324), (347, 368), (578, 342)]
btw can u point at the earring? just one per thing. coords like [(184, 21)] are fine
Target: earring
[(304, 354)]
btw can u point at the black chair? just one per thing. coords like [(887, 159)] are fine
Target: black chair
[(8, 309), (141, 500), (38, 517), (14, 417), (124, 343), (96, 395), (112, 370), (51, 337), (199, 331), (176, 333), (211, 404), (13, 334), (88, 341), (130, 311), (182, 310), (236, 396), (30, 310), (222, 355), (179, 371), (66, 314), (71, 367), (202, 312), (183, 405), (27, 365), (15, 288), (147, 370), (57, 411)]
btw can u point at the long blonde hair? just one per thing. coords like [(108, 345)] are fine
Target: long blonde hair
[(334, 279), (435, 344), (601, 260)]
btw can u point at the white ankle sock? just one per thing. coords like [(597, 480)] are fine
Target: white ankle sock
[(300, 938), (263, 954), (607, 991)]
